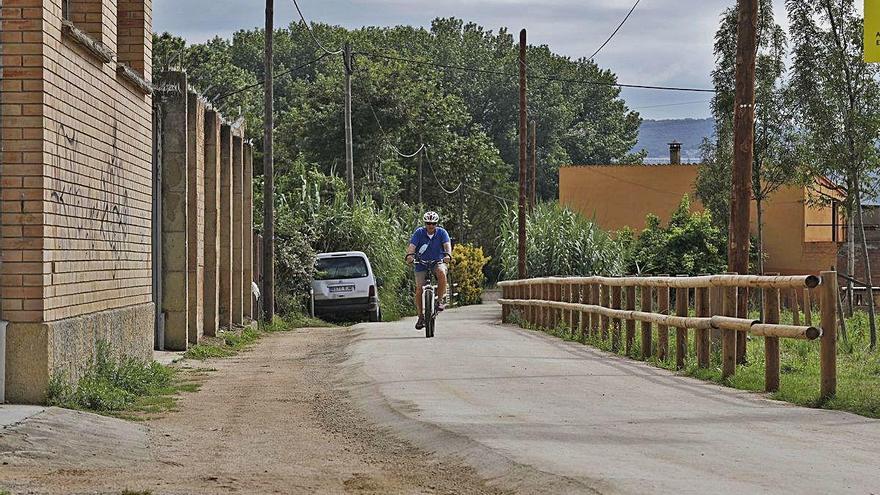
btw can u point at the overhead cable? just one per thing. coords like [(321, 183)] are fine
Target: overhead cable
[(532, 76), (277, 75), (616, 30), (312, 33), (388, 140)]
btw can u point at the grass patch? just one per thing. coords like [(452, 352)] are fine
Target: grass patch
[(231, 343), (120, 387), (133, 492), (858, 369)]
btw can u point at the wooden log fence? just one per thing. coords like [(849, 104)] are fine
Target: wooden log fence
[(602, 307)]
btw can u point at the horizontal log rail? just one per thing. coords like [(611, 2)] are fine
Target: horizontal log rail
[(597, 307), (755, 327), (746, 281)]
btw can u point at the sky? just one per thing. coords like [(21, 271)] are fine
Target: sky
[(664, 42)]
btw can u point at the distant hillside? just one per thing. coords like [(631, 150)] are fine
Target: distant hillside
[(654, 136)]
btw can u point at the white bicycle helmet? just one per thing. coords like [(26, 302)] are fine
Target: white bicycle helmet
[(432, 217)]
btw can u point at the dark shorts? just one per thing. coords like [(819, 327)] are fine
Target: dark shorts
[(420, 276)]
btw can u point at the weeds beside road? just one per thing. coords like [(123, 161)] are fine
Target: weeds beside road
[(132, 389)]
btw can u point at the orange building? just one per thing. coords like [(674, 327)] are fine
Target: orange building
[(800, 236)]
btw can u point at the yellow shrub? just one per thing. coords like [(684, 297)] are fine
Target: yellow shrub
[(467, 272)]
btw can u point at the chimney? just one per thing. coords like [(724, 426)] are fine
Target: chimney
[(675, 153)]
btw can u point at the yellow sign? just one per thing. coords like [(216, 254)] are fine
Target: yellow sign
[(872, 30)]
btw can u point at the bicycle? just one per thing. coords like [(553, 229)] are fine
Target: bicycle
[(430, 302)]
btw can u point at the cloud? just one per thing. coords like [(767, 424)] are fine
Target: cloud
[(665, 42)]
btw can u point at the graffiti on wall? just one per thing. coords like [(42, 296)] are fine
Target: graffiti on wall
[(90, 208)]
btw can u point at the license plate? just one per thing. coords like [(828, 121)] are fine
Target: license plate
[(342, 288)]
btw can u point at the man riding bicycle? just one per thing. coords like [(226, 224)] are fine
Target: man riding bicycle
[(438, 248)]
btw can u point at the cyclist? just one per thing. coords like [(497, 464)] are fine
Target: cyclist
[(439, 247)]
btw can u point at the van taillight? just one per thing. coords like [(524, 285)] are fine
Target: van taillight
[(372, 291)]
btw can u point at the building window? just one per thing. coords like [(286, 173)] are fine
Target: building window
[(86, 15)]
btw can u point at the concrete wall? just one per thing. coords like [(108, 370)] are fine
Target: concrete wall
[(205, 215), (623, 195), (76, 177)]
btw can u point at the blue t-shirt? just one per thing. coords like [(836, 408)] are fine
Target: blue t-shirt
[(435, 244)]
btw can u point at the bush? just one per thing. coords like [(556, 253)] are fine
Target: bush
[(690, 244), (468, 262), (109, 384), (560, 241)]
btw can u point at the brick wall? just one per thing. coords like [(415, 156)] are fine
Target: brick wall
[(76, 175), (98, 175)]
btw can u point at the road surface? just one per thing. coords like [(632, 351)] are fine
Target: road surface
[(534, 413)]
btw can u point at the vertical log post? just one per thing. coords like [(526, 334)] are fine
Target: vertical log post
[(585, 317), (505, 308), (615, 322), (605, 302), (630, 324), (646, 325), (681, 334), (795, 311), (828, 345), (703, 306), (717, 308), (808, 308), (728, 337), (594, 317), (663, 330), (542, 310), (771, 344), (572, 322)]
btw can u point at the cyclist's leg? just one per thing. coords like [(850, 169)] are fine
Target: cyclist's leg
[(440, 272), (420, 281)]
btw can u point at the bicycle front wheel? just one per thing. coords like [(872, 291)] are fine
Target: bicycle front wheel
[(429, 309)]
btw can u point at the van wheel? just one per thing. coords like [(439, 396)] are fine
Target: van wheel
[(376, 316)]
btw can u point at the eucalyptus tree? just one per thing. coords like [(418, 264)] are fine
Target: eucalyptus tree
[(835, 94)]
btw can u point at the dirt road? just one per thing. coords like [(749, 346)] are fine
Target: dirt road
[(275, 419)]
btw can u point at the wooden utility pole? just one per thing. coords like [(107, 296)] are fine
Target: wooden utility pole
[(533, 185), (743, 154), (523, 162), (349, 151), (268, 289)]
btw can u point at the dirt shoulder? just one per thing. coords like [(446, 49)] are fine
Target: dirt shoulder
[(274, 419)]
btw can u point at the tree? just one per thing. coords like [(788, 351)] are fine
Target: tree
[(773, 165), (835, 94)]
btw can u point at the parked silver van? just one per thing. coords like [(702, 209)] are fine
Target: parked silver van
[(345, 286)]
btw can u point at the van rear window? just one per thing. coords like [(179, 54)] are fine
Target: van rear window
[(342, 267)]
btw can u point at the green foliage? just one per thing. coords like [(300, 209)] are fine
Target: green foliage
[(109, 384), (560, 241), (468, 262), (467, 120), (690, 244)]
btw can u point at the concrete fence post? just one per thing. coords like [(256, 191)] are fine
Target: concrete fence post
[(195, 199), (174, 213), (211, 310)]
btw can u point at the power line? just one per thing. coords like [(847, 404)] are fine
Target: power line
[(616, 30), (278, 75), (672, 104), (531, 76), (312, 33), (447, 191), (388, 140)]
